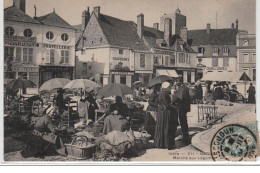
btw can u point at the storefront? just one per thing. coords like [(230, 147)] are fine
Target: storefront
[(123, 77), (49, 72)]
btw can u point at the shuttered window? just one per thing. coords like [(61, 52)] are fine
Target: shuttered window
[(142, 60)]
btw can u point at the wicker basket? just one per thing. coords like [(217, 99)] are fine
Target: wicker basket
[(141, 142), (77, 151)]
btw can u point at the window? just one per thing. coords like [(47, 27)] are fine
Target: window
[(89, 67), (225, 51), (181, 58), (18, 54), (225, 62), (27, 33), (64, 37), (9, 30), (215, 51), (245, 43), (64, 57), (254, 57), (166, 60), (121, 51), (50, 55), (201, 50), (254, 74), (8, 59), (142, 60), (155, 60), (214, 62), (172, 60), (188, 58), (123, 79), (27, 55), (245, 57), (49, 35)]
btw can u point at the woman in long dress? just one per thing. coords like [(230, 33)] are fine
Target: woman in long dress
[(167, 120)]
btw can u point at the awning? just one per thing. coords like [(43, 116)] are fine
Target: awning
[(226, 76), (167, 72)]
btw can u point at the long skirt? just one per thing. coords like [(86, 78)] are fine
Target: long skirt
[(165, 129)]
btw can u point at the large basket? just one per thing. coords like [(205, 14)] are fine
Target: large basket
[(78, 151), (142, 141)]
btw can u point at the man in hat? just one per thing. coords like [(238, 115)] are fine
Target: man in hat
[(181, 99)]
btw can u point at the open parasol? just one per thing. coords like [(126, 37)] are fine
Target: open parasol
[(54, 83), (114, 90), (159, 80), (20, 84)]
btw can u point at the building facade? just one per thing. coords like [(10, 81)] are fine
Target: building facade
[(246, 54), (112, 51), (37, 48), (216, 48)]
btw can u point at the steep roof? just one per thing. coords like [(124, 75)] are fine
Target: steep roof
[(53, 19), (12, 13), (121, 33), (151, 35), (178, 41), (215, 37)]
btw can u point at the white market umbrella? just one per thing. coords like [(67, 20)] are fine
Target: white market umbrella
[(54, 83)]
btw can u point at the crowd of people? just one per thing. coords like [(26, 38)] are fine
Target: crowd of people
[(168, 105)]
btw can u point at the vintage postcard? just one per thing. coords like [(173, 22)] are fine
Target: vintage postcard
[(140, 81)]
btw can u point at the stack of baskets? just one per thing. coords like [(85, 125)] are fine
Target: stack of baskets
[(80, 148)]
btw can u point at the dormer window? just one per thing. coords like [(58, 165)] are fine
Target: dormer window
[(201, 50), (163, 45), (215, 51), (225, 51), (245, 43), (121, 51)]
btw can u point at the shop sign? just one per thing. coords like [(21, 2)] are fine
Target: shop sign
[(120, 64), (56, 69), (215, 68), (123, 72), (25, 69), (164, 52), (13, 40), (185, 69), (52, 46)]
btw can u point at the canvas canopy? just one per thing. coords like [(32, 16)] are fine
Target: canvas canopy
[(226, 76), (167, 72)]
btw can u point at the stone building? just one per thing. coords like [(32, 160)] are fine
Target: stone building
[(125, 52), (246, 54), (216, 48), (114, 50), (38, 48)]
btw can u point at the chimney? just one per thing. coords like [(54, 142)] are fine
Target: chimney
[(232, 25), (237, 24), (168, 30), (20, 4), (208, 28), (184, 32), (156, 26), (140, 25), (97, 11), (85, 19)]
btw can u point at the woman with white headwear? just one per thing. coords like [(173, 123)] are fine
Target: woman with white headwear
[(166, 122)]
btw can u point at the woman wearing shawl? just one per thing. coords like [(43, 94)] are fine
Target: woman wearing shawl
[(166, 123)]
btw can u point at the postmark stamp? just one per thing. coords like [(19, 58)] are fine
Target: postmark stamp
[(234, 143)]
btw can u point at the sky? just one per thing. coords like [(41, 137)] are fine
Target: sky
[(219, 13)]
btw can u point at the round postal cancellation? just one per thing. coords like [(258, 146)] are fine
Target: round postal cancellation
[(234, 142)]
